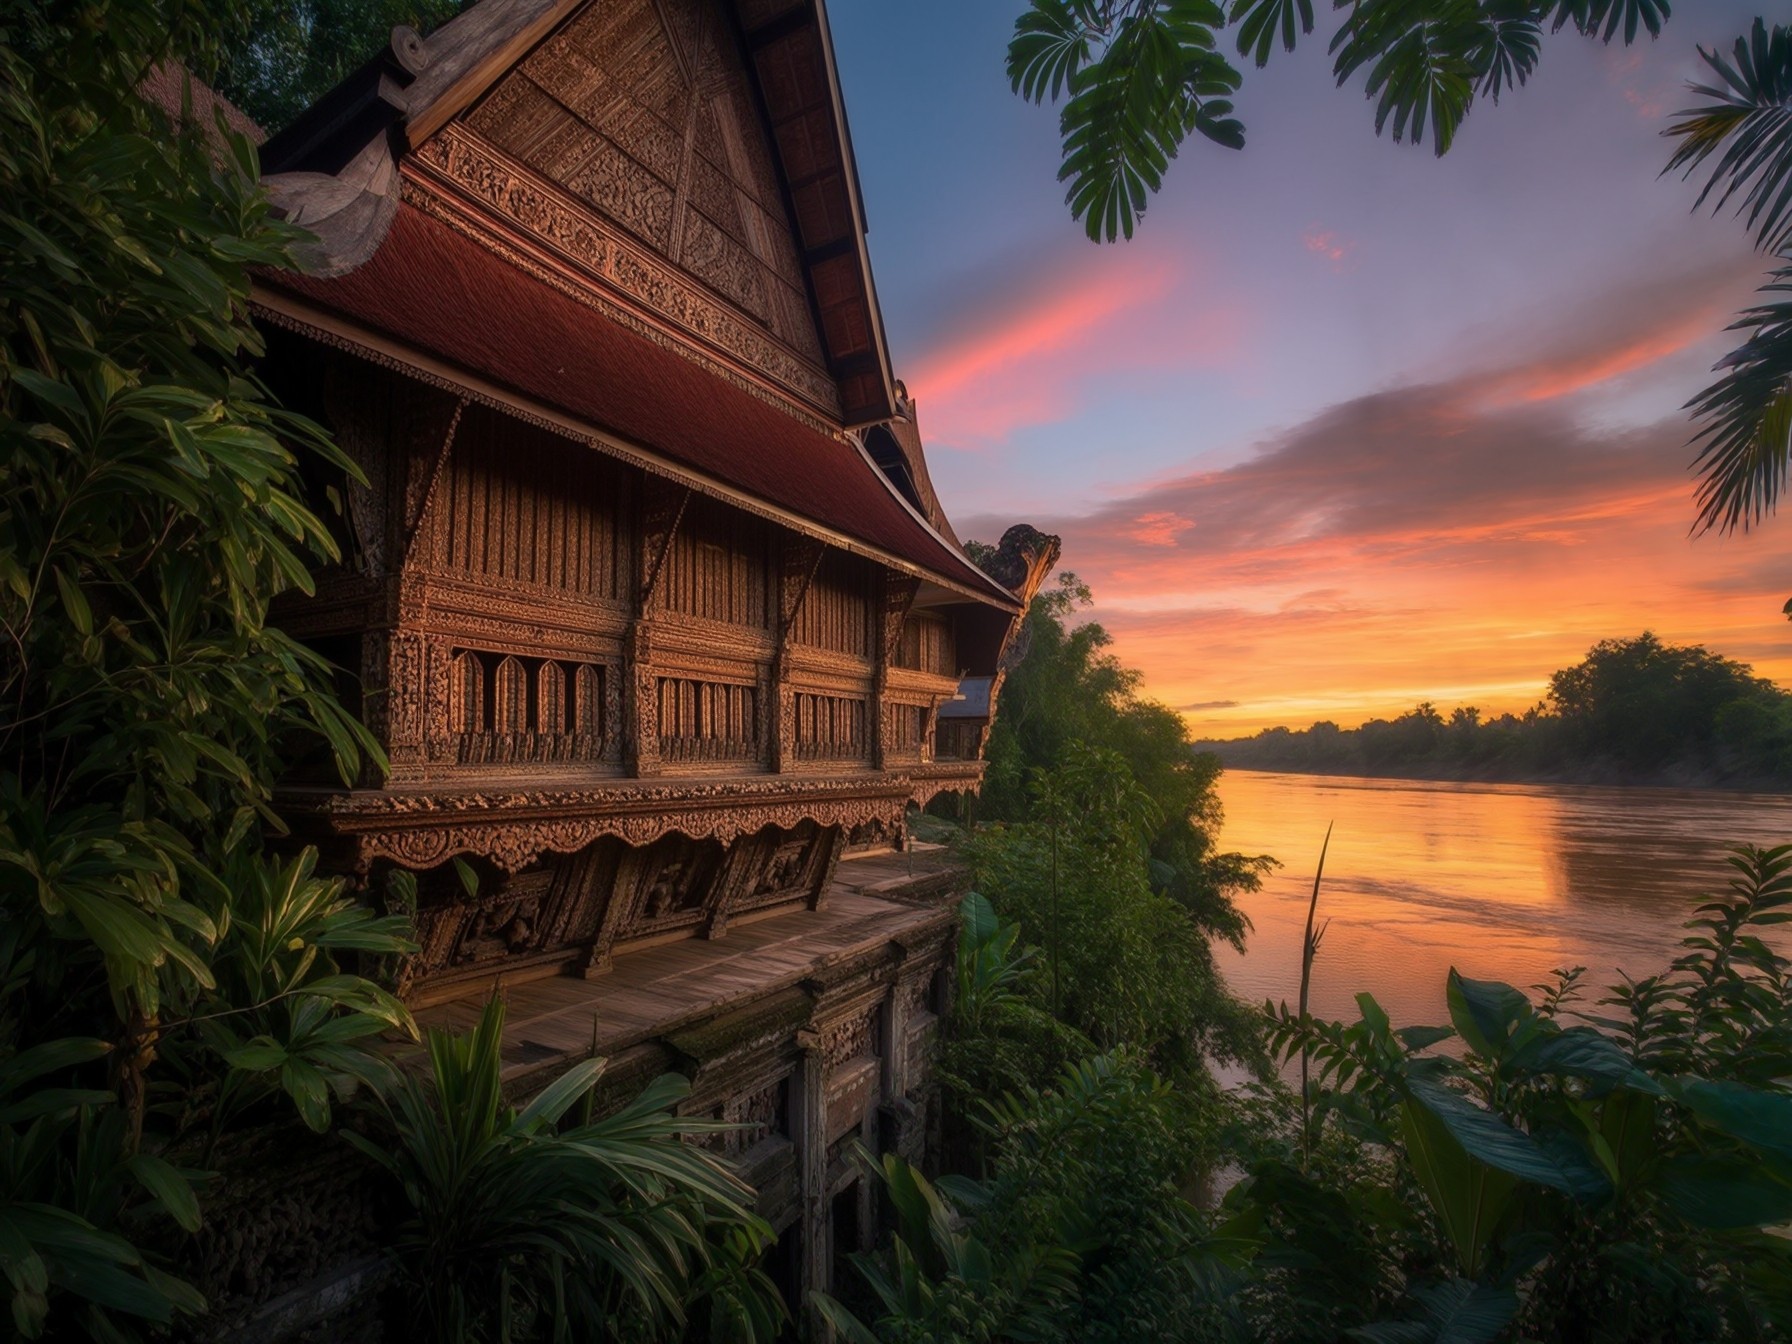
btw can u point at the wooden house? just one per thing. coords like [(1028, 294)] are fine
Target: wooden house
[(653, 603)]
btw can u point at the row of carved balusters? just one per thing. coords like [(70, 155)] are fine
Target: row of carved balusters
[(526, 710), (707, 721), (830, 728), (907, 725)]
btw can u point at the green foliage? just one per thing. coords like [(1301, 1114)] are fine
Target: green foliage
[(524, 1226), (1608, 1175), (998, 1037), (160, 974), (1069, 689), (1138, 77), (1081, 1231), (280, 55), (1633, 709), (1123, 962)]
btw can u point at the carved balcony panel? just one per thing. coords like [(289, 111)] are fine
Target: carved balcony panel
[(708, 723), (832, 728), (905, 730), (509, 710), (958, 740), (927, 645)]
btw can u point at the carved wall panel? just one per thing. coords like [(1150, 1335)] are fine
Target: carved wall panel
[(927, 645), (786, 866), (852, 1038), (836, 614), (527, 509), (718, 567), (672, 884), (546, 913)]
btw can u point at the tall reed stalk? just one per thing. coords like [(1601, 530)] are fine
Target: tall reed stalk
[(1309, 948)]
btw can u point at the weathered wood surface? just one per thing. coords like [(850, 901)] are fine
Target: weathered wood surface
[(656, 991)]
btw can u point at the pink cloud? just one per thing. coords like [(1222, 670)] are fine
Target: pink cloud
[(1038, 357), (1158, 529), (1333, 246)]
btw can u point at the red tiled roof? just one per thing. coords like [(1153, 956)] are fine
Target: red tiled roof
[(432, 288)]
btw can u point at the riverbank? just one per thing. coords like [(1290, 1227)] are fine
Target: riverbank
[(1597, 775)]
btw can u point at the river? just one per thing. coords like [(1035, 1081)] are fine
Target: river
[(1502, 881)]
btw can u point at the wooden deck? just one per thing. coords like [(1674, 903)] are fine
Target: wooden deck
[(650, 993)]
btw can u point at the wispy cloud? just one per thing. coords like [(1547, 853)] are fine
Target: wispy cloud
[(1330, 245), (1033, 355)]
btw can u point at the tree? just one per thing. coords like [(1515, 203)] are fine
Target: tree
[(162, 972), (1070, 689), (282, 55), (1136, 78)]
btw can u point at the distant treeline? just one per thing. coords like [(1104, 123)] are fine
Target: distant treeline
[(1633, 711)]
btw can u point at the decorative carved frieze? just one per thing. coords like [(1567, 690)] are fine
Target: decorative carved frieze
[(514, 828), (461, 160)]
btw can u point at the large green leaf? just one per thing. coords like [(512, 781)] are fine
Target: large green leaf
[(1469, 1197), (1758, 1118), (1486, 1013), (1488, 1139), (1724, 1192)]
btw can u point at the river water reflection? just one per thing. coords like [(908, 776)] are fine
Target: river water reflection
[(1502, 881)]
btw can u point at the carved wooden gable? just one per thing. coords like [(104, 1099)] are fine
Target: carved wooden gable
[(638, 120)]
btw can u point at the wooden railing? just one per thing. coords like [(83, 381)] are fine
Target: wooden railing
[(503, 709), (831, 728), (707, 722)]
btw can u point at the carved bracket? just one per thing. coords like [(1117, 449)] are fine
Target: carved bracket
[(426, 469), (662, 509)]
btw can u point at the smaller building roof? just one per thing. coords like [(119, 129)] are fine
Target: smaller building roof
[(972, 700)]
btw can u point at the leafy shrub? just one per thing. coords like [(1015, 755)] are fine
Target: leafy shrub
[(1605, 1176), (161, 973), (525, 1227)]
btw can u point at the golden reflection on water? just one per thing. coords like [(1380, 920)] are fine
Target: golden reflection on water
[(1503, 881)]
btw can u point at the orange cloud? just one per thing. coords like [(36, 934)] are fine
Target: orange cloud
[(1159, 529), (1547, 379), (1422, 543)]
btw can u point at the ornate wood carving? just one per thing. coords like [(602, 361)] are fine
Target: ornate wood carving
[(514, 828), (642, 148), (663, 506), (898, 597)]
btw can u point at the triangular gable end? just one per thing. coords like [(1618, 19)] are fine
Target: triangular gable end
[(689, 157)]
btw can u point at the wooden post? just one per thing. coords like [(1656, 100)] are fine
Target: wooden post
[(812, 1172)]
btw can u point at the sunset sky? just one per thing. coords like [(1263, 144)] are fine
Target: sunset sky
[(1346, 426)]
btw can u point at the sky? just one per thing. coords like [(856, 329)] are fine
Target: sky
[(1345, 427)]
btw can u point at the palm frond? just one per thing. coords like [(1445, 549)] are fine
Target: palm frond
[(1746, 438), (1748, 115)]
